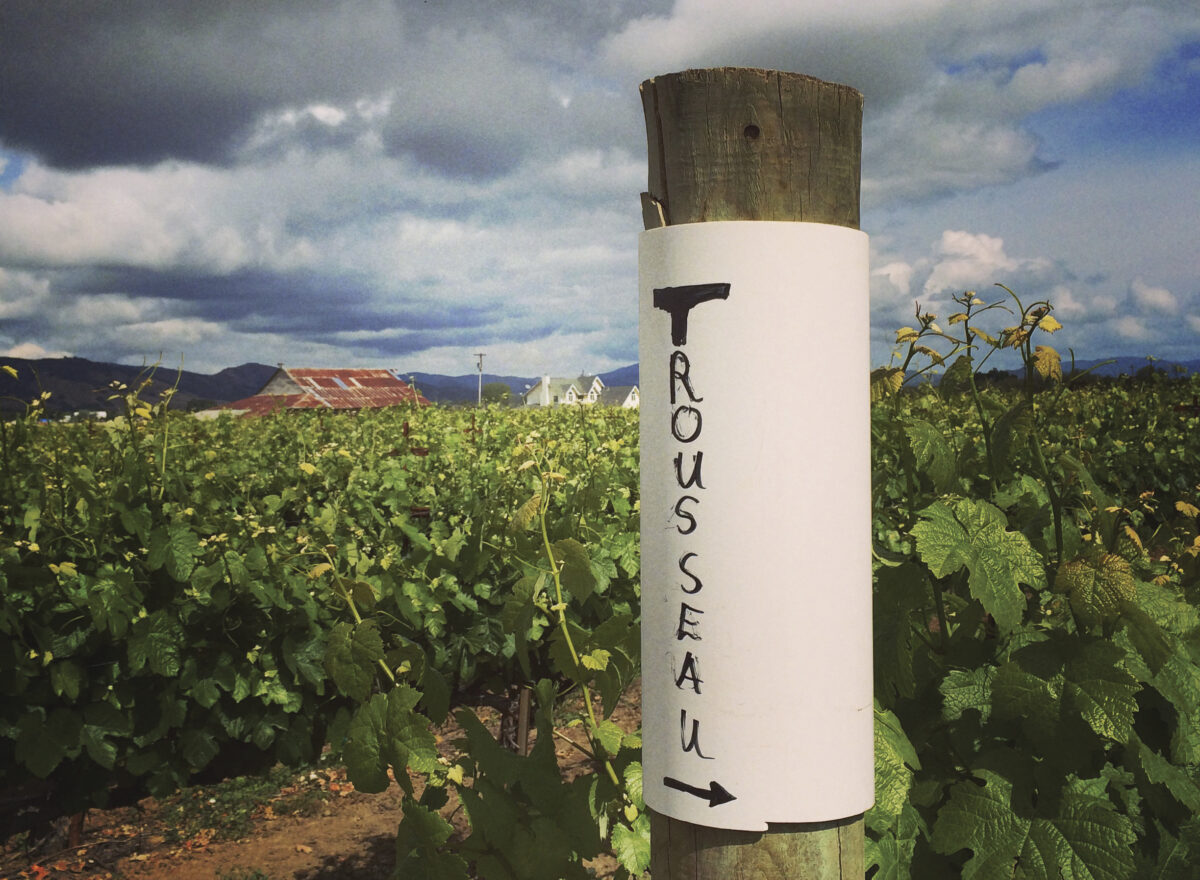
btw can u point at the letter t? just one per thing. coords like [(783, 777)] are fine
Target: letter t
[(678, 301)]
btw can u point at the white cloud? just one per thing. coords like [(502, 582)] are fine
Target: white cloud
[(22, 294), (1132, 328), (1153, 299), (966, 260), (329, 115), (32, 351), (898, 274), (1086, 308), (164, 217), (564, 353)]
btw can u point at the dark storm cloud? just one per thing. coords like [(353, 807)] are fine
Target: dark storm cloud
[(140, 81), (403, 341), (224, 296), (308, 306)]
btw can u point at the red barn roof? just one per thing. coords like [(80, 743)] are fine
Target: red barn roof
[(312, 388)]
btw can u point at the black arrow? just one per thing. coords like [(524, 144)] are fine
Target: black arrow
[(715, 794)]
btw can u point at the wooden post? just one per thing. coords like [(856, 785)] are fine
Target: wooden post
[(745, 144)]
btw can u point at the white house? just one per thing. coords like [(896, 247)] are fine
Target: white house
[(556, 391)]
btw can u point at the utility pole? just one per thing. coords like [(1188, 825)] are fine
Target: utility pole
[(732, 144), (479, 398)]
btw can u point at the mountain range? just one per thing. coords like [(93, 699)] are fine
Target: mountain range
[(1129, 366), (78, 384)]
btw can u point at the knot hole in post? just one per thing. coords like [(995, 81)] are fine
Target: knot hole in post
[(751, 132)]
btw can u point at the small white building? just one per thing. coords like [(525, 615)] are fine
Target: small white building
[(557, 391)]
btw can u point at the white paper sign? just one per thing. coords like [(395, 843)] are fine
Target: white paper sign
[(756, 523)]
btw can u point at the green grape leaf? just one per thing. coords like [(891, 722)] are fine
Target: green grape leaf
[(958, 375), (1099, 587), (525, 514), (435, 693), (305, 659), (1034, 701), (99, 748), (517, 616), (895, 761), (892, 850), (156, 640), (1177, 855), (66, 679), (180, 552), (890, 855), (1084, 838), (610, 736), (576, 568), (1146, 637), (1050, 684), (933, 454), (1102, 691), (42, 744), (974, 535), (906, 587), (1046, 360), (113, 601), (32, 521), (631, 844), (102, 720), (885, 381), (419, 839), (964, 689), (1008, 433), (1160, 771), (386, 732), (350, 657), (205, 577), (633, 784), (1166, 608), (1179, 682), (453, 545), (198, 747), (206, 693), (596, 660)]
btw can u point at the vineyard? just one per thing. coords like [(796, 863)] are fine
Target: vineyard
[(185, 599)]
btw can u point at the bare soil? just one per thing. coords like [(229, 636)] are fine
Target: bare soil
[(317, 827)]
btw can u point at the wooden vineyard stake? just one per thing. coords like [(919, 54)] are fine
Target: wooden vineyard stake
[(733, 144)]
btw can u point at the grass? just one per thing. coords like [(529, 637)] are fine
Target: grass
[(227, 810)]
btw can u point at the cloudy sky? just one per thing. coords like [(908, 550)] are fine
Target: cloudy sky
[(405, 183)]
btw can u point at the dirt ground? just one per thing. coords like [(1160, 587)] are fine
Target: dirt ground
[(341, 833)]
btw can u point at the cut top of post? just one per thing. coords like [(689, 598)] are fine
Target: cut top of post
[(746, 144)]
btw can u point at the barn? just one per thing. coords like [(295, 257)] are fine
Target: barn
[(335, 389)]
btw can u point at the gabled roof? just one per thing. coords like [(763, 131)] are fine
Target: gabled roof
[(615, 395), (313, 388)]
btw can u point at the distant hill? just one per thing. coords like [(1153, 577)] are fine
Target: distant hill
[(77, 384), (1130, 365), (460, 389), (624, 376)]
